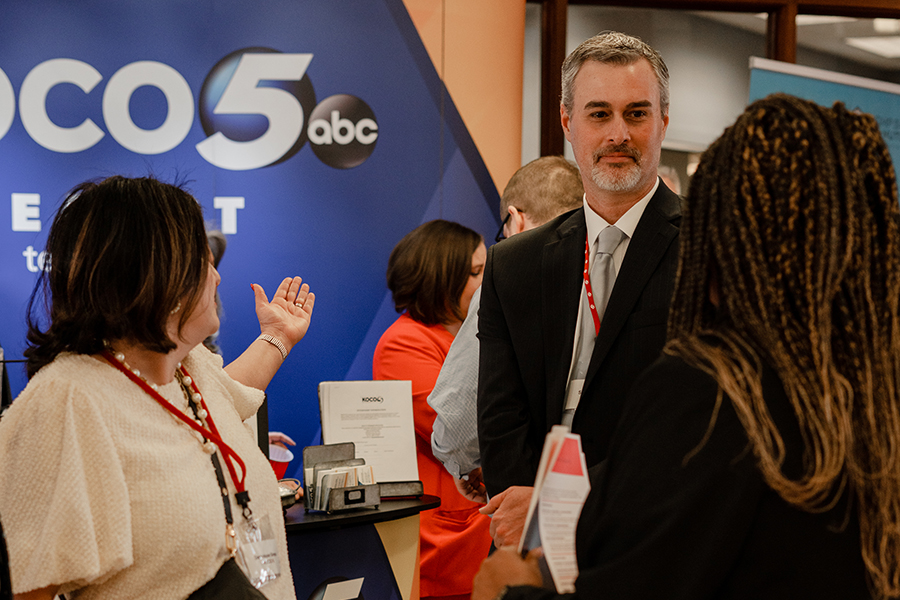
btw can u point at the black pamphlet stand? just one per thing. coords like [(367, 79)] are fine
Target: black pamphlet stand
[(329, 456)]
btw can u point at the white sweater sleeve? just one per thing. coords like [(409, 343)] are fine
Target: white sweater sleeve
[(62, 485)]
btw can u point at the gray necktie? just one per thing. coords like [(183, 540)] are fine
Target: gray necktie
[(603, 277), (603, 271)]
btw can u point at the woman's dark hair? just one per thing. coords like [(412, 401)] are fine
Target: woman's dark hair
[(429, 268), (792, 223), (123, 254)]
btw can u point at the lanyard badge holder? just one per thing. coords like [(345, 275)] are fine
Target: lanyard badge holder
[(252, 543)]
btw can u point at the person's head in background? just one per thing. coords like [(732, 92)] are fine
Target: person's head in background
[(790, 257), (539, 191), (128, 261), (217, 245), (434, 270), (669, 176), (614, 111)]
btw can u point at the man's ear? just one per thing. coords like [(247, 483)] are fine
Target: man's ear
[(517, 221), (564, 120)]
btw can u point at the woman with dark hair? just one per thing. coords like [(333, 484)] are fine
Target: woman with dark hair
[(113, 457), (760, 456), (432, 274)]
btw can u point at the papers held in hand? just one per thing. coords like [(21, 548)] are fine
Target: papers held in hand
[(560, 489)]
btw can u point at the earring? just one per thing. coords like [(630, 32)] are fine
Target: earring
[(176, 309)]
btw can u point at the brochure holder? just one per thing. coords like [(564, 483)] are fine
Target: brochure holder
[(330, 456), (401, 489)]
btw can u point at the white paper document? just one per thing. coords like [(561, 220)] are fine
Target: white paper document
[(560, 489), (377, 416)]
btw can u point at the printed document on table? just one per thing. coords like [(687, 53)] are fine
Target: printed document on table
[(377, 416)]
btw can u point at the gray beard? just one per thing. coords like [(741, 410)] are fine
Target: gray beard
[(615, 179)]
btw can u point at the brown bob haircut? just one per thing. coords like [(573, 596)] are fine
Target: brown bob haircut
[(429, 268), (123, 253)]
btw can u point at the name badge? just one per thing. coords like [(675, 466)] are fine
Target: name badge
[(258, 551), (573, 394)]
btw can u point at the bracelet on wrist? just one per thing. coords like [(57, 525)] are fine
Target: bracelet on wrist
[(275, 342)]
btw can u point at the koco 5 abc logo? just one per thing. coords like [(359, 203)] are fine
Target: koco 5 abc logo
[(257, 106)]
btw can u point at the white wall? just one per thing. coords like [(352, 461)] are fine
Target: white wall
[(708, 67)]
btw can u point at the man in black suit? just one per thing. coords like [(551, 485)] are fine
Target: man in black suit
[(544, 345)]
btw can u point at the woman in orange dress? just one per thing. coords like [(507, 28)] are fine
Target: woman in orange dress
[(432, 274)]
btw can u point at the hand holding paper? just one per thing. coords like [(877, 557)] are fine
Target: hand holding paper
[(508, 510), (505, 568), (561, 487)]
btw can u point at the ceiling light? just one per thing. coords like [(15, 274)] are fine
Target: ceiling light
[(888, 47), (818, 19), (886, 25), (821, 19)]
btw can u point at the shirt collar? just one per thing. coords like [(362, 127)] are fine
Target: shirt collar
[(627, 223)]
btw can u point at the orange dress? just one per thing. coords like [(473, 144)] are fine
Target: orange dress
[(454, 538)]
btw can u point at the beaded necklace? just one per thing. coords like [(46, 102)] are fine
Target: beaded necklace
[(203, 424)]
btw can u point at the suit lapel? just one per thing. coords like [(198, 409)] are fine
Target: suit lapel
[(562, 266), (652, 237)]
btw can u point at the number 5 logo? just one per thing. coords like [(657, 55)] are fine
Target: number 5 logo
[(253, 106)]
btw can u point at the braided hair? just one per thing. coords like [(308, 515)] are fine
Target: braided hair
[(791, 258)]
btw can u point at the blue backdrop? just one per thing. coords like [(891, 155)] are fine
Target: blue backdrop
[(879, 98), (324, 133)]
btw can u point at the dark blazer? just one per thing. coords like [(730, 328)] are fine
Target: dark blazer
[(681, 511), (529, 309), (5, 393)]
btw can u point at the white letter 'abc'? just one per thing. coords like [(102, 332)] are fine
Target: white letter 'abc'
[(342, 131)]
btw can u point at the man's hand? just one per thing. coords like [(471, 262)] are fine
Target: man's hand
[(471, 486), (506, 568), (508, 510)]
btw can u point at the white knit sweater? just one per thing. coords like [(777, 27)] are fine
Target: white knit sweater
[(103, 491)]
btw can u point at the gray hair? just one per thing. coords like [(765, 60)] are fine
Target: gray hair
[(616, 48)]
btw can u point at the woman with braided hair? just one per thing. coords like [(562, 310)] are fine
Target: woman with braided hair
[(759, 457)]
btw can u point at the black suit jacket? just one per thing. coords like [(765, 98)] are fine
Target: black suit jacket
[(529, 309), (5, 393), (681, 511)]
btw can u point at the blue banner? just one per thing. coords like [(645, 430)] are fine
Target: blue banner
[(878, 98), (314, 134)]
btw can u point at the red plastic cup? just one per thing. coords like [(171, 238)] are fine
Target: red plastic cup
[(279, 458)]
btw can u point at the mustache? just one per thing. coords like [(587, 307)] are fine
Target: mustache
[(618, 149)]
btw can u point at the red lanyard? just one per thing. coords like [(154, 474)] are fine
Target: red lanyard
[(211, 434), (587, 286)]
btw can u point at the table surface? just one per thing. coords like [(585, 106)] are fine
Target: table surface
[(296, 519)]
